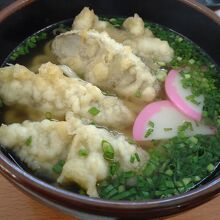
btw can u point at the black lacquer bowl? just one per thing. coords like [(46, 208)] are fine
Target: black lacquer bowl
[(24, 17)]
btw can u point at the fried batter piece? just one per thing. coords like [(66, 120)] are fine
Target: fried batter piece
[(50, 91), (87, 169), (107, 64), (132, 33), (41, 145)]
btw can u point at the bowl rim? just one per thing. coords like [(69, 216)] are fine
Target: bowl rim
[(18, 176), (15, 174), (19, 4)]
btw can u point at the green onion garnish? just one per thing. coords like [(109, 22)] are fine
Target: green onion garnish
[(192, 61), (167, 129), (193, 140), (114, 167), (28, 142), (151, 124), (112, 193), (184, 127), (48, 115), (112, 20), (83, 152), (192, 99), (186, 181), (132, 159), (108, 150), (179, 163), (169, 172), (179, 58), (179, 39), (94, 111), (58, 167), (149, 132), (107, 93), (187, 76), (161, 74), (137, 94), (131, 141), (137, 157), (125, 194), (161, 63), (28, 44), (210, 167), (196, 178)]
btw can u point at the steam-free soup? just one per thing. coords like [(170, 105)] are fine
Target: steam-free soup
[(80, 108)]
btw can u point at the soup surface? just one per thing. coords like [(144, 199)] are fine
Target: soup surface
[(71, 122)]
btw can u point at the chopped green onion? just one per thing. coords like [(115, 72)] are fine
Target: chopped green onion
[(149, 132), (186, 181), (179, 39), (128, 174), (112, 20), (193, 140), (58, 167), (137, 157), (167, 129), (196, 178), (169, 172), (83, 152), (132, 159), (108, 189), (161, 63), (131, 141), (112, 193), (107, 93), (151, 124), (48, 115), (192, 99), (146, 195), (114, 167), (210, 167), (94, 111), (185, 126), (179, 58), (121, 188), (179, 184), (108, 150), (28, 44), (158, 193), (161, 74), (205, 114), (187, 76), (169, 184), (137, 94), (192, 61), (28, 142), (125, 194)]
